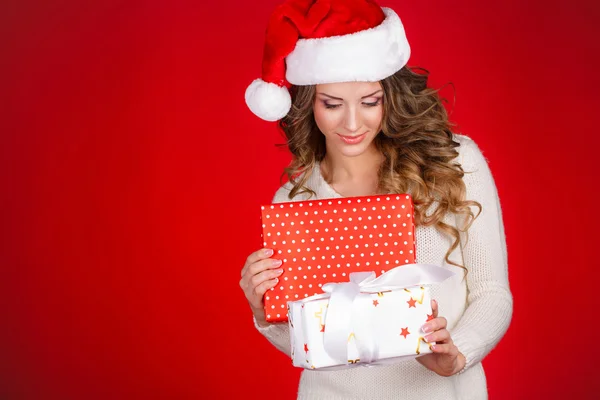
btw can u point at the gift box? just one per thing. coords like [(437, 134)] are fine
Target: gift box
[(323, 241), (366, 321)]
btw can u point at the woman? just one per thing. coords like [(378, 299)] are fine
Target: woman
[(360, 122)]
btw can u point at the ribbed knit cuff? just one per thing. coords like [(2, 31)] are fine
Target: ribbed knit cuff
[(467, 346)]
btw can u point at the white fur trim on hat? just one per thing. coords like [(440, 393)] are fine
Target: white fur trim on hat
[(369, 55), (268, 100)]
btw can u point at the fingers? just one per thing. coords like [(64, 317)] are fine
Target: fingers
[(256, 256), (445, 348), (434, 325), (263, 276), (434, 308), (439, 336), (262, 288)]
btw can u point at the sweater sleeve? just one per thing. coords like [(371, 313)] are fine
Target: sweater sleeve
[(489, 302), (278, 333)]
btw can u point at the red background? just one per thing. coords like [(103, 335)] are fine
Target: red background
[(131, 175)]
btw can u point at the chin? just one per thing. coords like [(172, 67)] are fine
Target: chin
[(357, 150)]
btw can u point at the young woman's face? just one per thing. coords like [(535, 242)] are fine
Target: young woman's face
[(349, 115)]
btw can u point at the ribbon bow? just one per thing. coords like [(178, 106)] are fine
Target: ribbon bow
[(342, 317)]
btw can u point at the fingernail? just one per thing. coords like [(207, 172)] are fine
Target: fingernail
[(425, 328), (277, 262), (428, 338), (268, 252), (276, 281), (279, 271), (433, 347)]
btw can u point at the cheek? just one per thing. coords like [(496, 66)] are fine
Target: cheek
[(327, 120), (373, 118)]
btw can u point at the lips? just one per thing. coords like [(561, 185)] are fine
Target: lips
[(353, 139)]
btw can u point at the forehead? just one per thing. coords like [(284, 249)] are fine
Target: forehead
[(348, 90)]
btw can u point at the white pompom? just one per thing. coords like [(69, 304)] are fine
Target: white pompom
[(268, 100)]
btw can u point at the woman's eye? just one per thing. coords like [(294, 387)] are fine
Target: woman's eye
[(332, 105), (372, 104)]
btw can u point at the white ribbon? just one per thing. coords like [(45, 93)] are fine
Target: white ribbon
[(341, 316)]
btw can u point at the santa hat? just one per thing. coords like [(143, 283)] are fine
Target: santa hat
[(325, 41)]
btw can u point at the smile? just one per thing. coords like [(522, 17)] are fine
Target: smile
[(352, 139)]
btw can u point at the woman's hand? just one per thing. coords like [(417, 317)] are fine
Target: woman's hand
[(445, 360), (260, 273)]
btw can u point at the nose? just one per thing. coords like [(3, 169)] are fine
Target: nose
[(352, 119)]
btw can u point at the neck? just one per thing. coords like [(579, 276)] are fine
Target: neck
[(354, 175)]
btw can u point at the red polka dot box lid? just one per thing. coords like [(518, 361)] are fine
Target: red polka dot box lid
[(324, 240)]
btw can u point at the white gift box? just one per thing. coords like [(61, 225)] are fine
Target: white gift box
[(365, 321)]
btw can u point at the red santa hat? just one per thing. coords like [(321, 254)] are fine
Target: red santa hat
[(325, 41)]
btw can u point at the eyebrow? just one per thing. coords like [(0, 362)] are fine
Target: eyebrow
[(364, 97)]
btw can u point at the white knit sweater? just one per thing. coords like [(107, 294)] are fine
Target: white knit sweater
[(478, 308)]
